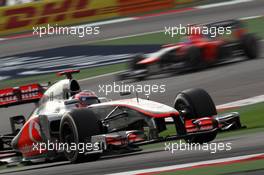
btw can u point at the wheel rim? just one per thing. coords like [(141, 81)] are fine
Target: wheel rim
[(68, 137), (181, 106)]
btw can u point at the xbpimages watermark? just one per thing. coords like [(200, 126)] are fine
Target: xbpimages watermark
[(197, 30), (80, 147), (79, 31), (211, 147), (146, 89)]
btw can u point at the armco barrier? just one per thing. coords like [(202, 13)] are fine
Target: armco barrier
[(23, 17)]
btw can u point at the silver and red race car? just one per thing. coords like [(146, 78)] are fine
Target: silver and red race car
[(66, 116)]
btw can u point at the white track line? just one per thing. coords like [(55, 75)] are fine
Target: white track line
[(250, 17), (244, 102), (187, 165), (222, 4)]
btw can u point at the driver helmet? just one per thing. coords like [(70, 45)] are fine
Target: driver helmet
[(195, 33), (86, 98)]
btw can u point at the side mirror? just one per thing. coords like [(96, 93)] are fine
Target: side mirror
[(16, 123)]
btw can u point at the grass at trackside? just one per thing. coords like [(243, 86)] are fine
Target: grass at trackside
[(85, 73), (256, 26), (253, 25), (251, 116), (247, 167)]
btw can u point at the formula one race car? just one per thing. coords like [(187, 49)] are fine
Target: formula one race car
[(198, 50), (66, 116)]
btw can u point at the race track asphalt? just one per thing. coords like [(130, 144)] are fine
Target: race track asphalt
[(225, 83), (241, 145)]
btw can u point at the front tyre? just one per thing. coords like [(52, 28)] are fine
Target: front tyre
[(250, 47), (77, 127), (194, 104)]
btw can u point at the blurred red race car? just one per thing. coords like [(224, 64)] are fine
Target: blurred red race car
[(196, 51)]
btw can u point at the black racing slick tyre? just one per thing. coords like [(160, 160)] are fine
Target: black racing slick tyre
[(78, 126), (196, 103), (250, 47), (193, 57), (1, 145)]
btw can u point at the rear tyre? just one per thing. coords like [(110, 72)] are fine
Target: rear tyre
[(76, 127), (193, 57), (249, 45), (196, 103)]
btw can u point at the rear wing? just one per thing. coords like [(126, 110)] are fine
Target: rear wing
[(20, 95), (68, 73)]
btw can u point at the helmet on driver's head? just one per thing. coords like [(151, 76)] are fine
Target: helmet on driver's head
[(86, 98)]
